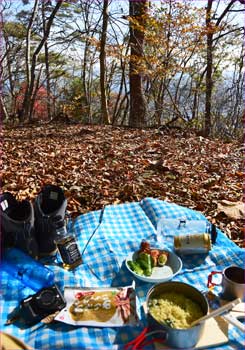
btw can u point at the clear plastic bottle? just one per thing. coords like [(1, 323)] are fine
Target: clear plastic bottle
[(68, 248), (23, 267)]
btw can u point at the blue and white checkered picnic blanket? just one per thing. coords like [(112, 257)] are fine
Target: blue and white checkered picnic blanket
[(120, 229)]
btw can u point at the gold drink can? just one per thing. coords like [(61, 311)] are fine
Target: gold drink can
[(197, 243)]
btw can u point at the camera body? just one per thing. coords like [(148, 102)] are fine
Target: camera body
[(38, 306)]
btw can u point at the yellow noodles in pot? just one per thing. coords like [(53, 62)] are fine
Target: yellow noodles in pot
[(174, 309)]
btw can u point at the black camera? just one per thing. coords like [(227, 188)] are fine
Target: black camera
[(38, 306)]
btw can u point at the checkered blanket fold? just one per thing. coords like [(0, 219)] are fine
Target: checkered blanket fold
[(106, 238)]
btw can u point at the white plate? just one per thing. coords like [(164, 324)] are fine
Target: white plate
[(159, 274)]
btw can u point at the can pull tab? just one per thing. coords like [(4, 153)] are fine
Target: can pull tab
[(182, 223)]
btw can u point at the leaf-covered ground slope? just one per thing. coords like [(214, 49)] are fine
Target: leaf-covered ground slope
[(101, 165)]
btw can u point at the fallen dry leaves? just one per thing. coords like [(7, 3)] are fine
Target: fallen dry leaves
[(101, 165)]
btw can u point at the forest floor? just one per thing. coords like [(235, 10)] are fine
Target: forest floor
[(102, 165)]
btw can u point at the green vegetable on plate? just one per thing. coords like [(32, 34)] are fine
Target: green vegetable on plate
[(134, 266), (145, 262)]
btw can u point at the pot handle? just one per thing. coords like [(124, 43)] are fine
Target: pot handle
[(139, 342), (210, 283)]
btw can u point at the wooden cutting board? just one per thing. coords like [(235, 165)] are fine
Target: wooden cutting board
[(215, 333), (216, 329)]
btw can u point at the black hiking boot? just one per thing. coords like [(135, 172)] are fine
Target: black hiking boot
[(50, 202), (17, 224)]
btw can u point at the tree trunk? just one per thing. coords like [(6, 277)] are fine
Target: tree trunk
[(34, 94), (119, 101), (31, 70), (209, 79), (3, 110), (48, 81), (209, 82), (26, 102), (137, 111), (46, 53), (104, 107), (87, 62)]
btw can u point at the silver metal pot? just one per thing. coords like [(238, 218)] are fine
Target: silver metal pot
[(178, 338)]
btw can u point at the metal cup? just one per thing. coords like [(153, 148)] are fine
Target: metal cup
[(233, 282)]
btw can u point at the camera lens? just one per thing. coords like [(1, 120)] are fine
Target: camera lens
[(46, 298)]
